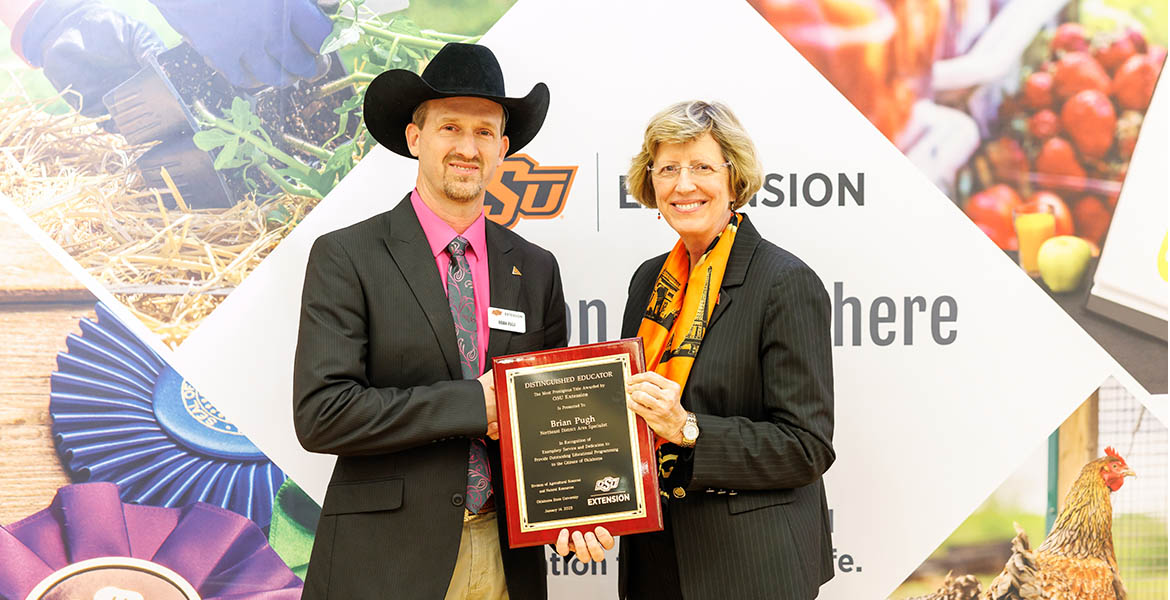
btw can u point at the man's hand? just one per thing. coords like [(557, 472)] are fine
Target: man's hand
[(487, 380), (594, 543)]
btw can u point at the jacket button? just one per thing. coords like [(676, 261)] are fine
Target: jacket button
[(457, 499), (679, 492)]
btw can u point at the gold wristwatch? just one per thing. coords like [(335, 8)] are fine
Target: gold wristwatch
[(690, 431)]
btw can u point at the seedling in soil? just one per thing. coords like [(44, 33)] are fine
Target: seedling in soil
[(310, 149)]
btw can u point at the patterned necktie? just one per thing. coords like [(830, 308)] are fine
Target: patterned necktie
[(461, 296)]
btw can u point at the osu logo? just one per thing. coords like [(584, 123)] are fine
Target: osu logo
[(523, 188), (606, 484)]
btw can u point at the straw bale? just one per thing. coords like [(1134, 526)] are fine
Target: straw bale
[(172, 267)]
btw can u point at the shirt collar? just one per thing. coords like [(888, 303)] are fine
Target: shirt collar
[(439, 233)]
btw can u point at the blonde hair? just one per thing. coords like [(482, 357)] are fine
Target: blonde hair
[(684, 122)]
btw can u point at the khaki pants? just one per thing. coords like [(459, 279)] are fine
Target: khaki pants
[(479, 570)]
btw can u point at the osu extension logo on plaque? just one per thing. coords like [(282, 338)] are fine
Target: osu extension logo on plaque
[(522, 188), (606, 484)]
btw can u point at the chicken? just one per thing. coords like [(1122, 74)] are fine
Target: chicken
[(1076, 560), (955, 588)]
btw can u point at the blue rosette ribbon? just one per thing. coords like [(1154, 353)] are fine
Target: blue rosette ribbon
[(122, 415)]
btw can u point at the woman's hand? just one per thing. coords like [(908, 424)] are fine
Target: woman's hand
[(659, 401), (590, 546)]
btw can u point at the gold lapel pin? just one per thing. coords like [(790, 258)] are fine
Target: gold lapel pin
[(515, 271)]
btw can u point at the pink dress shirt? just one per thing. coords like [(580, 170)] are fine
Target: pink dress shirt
[(439, 234)]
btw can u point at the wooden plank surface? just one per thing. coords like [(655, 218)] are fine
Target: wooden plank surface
[(30, 337), (1078, 444), (29, 274)]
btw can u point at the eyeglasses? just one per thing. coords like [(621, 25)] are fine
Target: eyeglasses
[(697, 170)]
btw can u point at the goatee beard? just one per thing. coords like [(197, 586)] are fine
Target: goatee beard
[(466, 191)]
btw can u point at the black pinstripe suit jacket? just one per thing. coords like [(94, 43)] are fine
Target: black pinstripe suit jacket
[(754, 522), (377, 382)]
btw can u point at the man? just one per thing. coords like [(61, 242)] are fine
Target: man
[(395, 336)]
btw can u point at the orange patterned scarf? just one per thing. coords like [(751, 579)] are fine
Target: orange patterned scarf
[(674, 322)]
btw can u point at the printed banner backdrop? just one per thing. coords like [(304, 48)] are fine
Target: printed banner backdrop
[(941, 342), (1109, 418)]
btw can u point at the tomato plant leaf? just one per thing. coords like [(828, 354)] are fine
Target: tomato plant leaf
[(227, 156), (210, 139)]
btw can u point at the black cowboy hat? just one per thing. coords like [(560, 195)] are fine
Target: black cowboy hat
[(457, 70)]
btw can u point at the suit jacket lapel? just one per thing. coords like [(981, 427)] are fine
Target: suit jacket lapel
[(409, 248), (505, 284), (746, 240)]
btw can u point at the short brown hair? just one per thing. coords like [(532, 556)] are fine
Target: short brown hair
[(419, 116), (686, 121)]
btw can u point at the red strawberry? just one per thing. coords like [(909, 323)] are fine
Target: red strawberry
[(1069, 37), (1078, 71), (1128, 126), (1089, 119), (1058, 161), (1038, 90), (1134, 83), (1044, 124), (1137, 38), (1092, 218), (1008, 160), (1111, 53)]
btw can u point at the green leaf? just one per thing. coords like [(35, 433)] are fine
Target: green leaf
[(331, 39), (342, 160), (351, 103), (342, 124), (210, 139), (278, 216), (411, 52), (242, 116), (240, 109), (343, 38), (227, 156), (257, 156), (382, 52), (312, 178), (403, 24)]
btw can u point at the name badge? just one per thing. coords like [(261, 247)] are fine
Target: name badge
[(507, 320)]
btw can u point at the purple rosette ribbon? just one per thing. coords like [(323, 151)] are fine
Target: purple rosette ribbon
[(89, 544)]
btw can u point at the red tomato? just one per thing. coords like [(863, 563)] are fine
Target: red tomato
[(1064, 220), (991, 210)]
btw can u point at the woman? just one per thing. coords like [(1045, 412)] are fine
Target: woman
[(739, 380)]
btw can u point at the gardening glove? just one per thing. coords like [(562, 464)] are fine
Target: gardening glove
[(87, 46), (254, 43)]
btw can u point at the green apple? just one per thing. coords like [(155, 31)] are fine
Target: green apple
[(1062, 261)]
